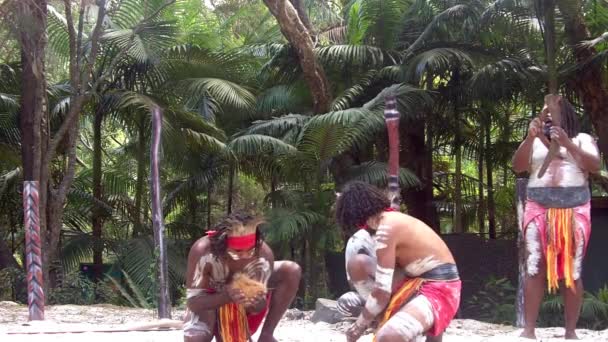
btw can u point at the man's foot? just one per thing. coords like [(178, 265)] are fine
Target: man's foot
[(571, 335), (528, 334), (266, 338)]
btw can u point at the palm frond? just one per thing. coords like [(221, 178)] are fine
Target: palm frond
[(376, 173), (257, 144), (286, 225)]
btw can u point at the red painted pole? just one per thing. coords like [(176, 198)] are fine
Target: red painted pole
[(33, 251), (391, 116)]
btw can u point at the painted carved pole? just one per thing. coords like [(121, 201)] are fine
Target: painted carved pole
[(164, 305), (521, 185), (33, 251), (391, 116)]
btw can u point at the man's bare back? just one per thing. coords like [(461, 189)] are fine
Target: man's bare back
[(419, 248)]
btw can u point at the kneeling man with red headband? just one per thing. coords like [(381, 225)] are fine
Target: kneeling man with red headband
[(217, 308)]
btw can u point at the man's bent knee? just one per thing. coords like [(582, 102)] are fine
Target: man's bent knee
[(290, 271), (402, 327), (361, 267)]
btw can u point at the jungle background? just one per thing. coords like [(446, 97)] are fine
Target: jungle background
[(273, 105)]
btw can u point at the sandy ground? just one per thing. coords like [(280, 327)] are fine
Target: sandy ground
[(294, 327)]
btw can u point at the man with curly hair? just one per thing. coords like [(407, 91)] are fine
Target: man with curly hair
[(217, 308), (410, 284)]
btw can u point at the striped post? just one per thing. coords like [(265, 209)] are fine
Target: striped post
[(391, 116), (33, 251), (164, 304)]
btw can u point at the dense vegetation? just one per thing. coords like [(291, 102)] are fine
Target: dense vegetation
[(273, 113)]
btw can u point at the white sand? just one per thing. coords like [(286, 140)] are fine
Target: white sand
[(100, 317)]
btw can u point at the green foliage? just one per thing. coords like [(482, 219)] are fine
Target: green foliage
[(75, 288), (494, 303)]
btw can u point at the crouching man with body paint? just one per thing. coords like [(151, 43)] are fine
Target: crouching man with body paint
[(215, 306), (421, 302), (557, 218)]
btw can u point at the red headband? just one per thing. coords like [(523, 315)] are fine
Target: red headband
[(238, 242), (241, 242)]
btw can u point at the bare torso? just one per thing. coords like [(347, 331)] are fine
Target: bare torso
[(419, 248), (563, 171)]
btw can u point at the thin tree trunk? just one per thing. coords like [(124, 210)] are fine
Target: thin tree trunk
[(481, 210), (231, 175), (457, 222), (433, 219), (299, 37), (590, 83), (97, 215), (209, 205), (138, 228), (490, 185)]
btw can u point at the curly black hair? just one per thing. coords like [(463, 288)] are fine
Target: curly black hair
[(358, 202), (218, 240)]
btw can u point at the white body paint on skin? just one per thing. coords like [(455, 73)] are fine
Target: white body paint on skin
[(402, 324), (381, 236), (580, 249), (372, 306), (364, 288), (562, 172), (219, 272), (384, 278), (258, 269), (534, 249), (421, 266)]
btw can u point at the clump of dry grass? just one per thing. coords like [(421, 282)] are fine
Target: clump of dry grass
[(250, 288)]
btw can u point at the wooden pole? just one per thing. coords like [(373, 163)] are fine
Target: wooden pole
[(391, 117), (164, 304), (521, 185), (552, 83), (33, 251)]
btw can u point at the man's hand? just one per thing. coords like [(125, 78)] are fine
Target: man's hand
[(257, 303), (535, 128), (558, 134), (355, 331), (236, 296)]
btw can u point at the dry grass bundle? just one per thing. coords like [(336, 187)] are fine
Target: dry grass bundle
[(251, 288)]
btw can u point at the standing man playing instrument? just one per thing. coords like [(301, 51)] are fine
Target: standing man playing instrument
[(557, 219), (427, 299), (215, 306)]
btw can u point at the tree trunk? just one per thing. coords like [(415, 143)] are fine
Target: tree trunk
[(299, 37), (6, 256), (209, 206), (231, 175), (30, 19), (415, 156), (457, 220), (481, 208), (138, 228), (97, 215), (589, 82), (490, 185)]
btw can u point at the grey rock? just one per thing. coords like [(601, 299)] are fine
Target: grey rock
[(326, 310)]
